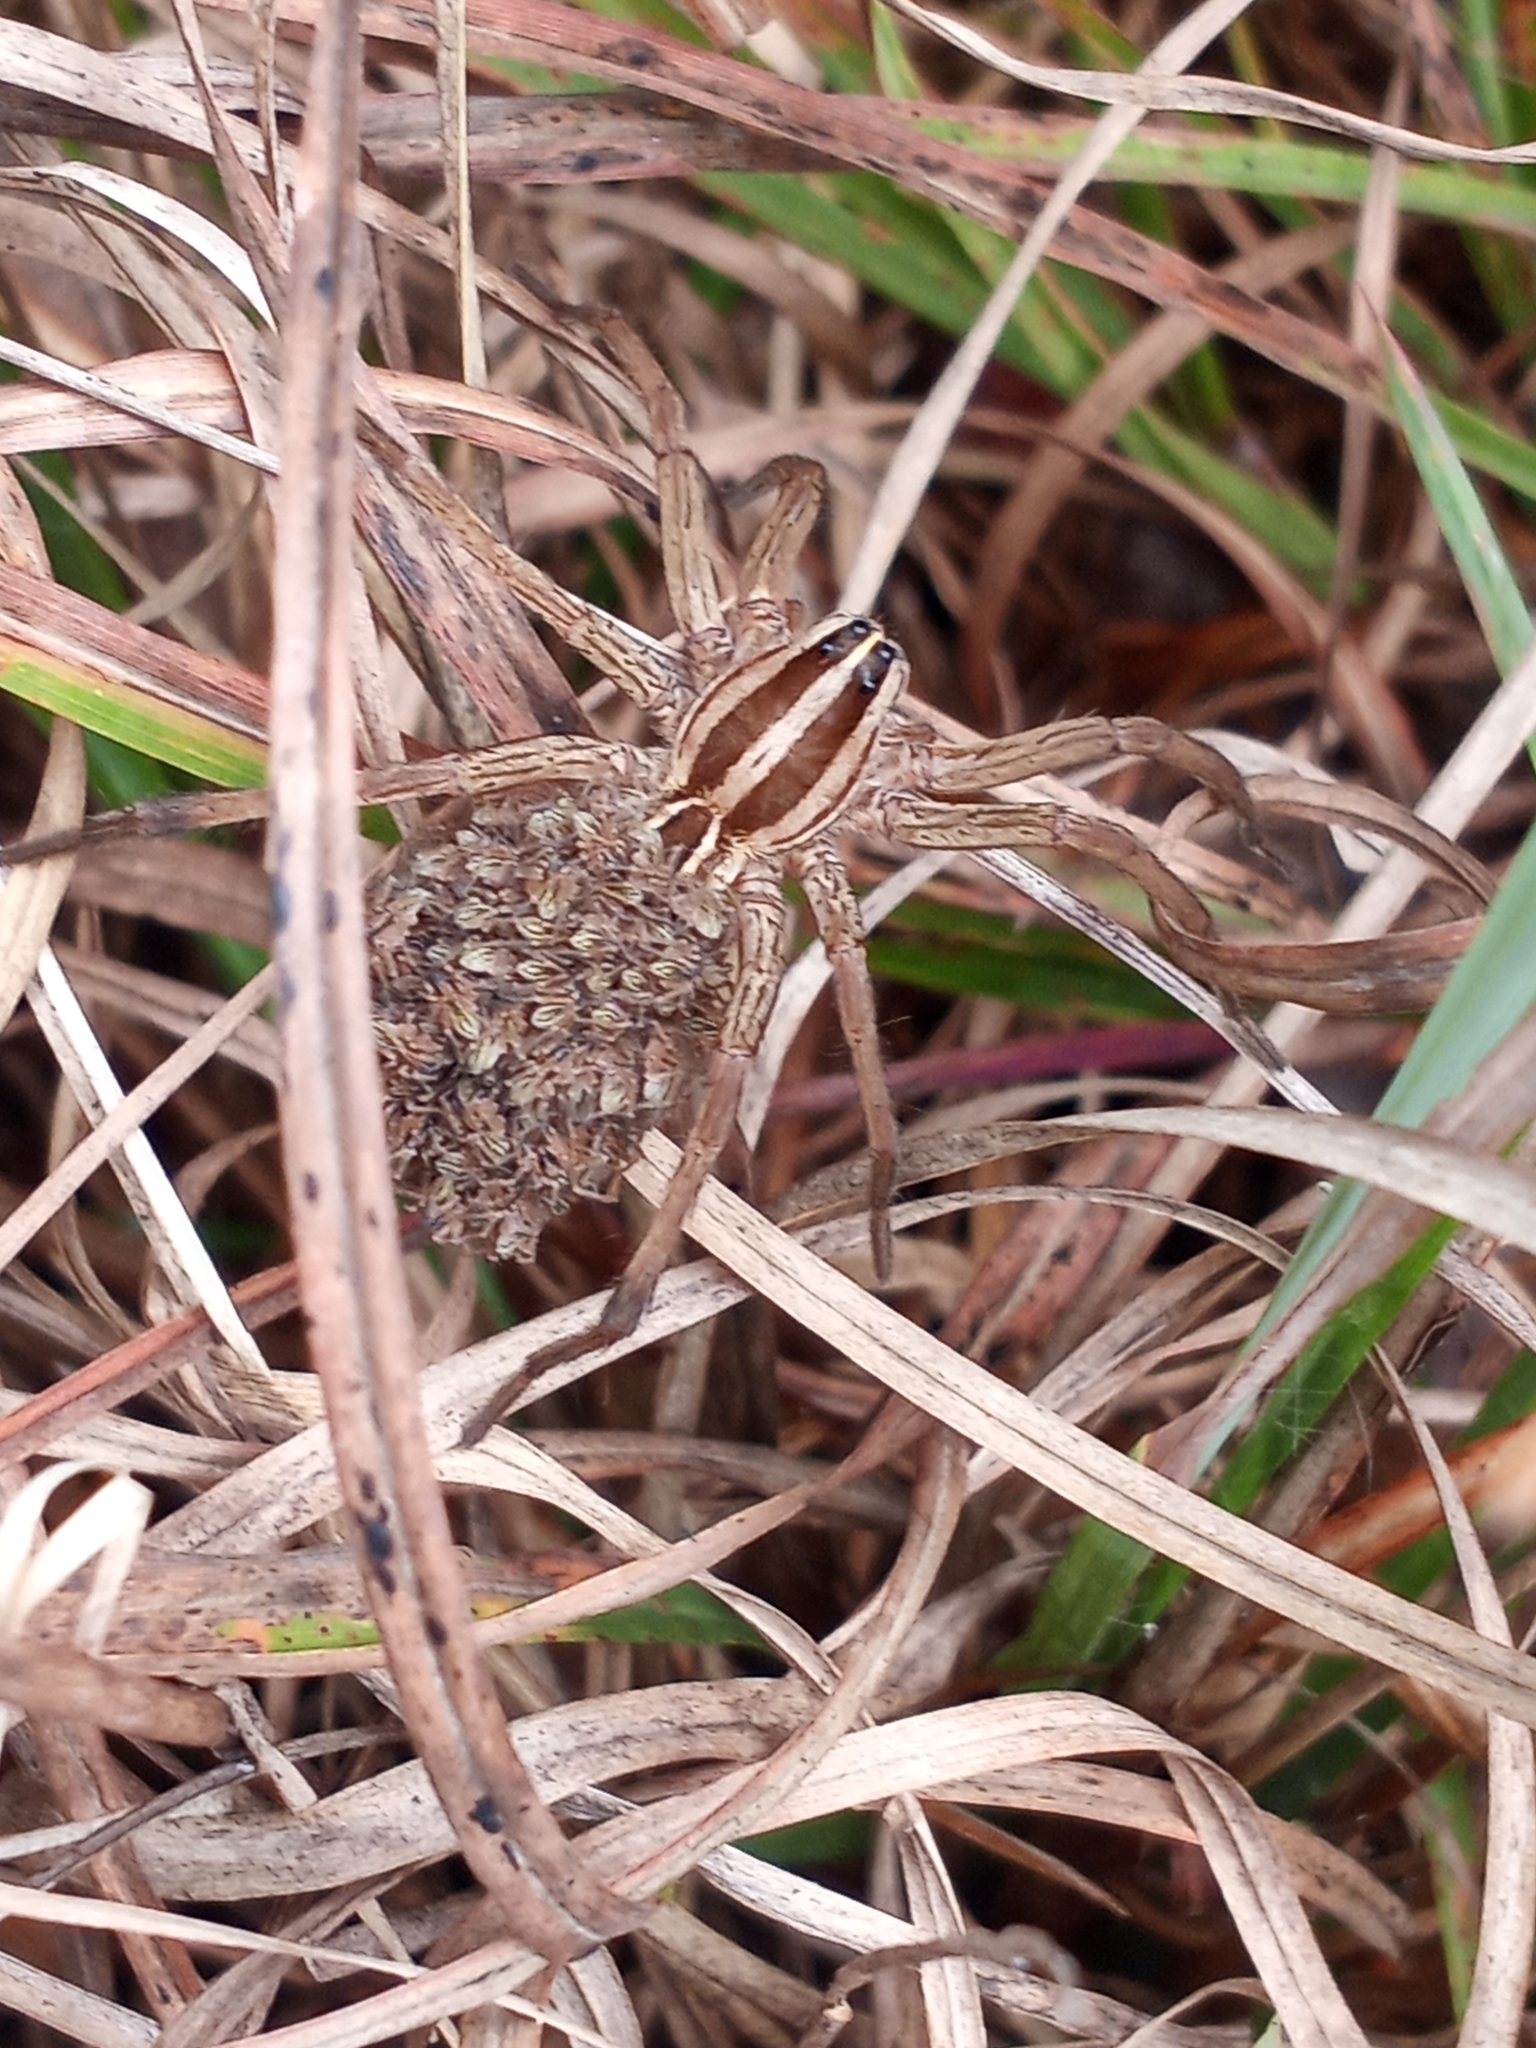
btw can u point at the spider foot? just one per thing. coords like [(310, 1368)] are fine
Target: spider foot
[(882, 1187), (617, 1321), (882, 1245), (620, 1317)]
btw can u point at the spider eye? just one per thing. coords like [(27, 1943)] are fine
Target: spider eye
[(843, 641), (851, 634), (875, 667)]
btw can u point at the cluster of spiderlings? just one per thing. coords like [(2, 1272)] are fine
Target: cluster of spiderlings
[(545, 985)]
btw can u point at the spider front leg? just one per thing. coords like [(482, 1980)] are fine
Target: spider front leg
[(701, 587), (761, 926), (763, 605), (1076, 743), (1070, 743), (836, 911), (692, 556), (645, 671), (485, 771)]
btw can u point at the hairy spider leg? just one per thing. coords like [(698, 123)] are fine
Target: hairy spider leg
[(836, 911)]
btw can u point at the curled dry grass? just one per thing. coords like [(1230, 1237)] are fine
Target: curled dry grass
[(872, 1578)]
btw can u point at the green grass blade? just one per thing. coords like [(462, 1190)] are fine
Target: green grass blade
[(1046, 972), (1468, 530), (101, 704), (1451, 1842)]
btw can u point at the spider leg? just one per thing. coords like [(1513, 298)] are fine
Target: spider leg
[(488, 771), (693, 557), (761, 924), (921, 821), (643, 670), (766, 572), (706, 1141), (482, 772), (1080, 742), (836, 911)]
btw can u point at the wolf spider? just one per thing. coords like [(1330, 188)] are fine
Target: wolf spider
[(631, 898), (552, 952)]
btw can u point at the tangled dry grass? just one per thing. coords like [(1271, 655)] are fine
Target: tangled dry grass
[(1084, 1625)]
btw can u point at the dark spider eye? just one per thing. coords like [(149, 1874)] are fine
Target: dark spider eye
[(875, 667), (850, 635), (844, 640)]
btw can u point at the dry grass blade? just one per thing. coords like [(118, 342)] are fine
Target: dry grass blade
[(1131, 1498), (130, 1114), (31, 897), (117, 398), (181, 1255), (53, 1682), (338, 1176), (1497, 1994), (198, 388), (1209, 95), (208, 1933)]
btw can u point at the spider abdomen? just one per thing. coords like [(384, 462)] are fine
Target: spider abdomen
[(547, 984)]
